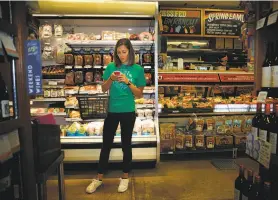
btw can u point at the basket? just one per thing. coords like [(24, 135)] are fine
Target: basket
[(93, 107)]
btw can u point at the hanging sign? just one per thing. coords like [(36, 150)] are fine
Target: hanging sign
[(184, 22), (223, 23), (32, 50)]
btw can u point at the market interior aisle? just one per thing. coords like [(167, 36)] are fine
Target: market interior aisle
[(173, 180)]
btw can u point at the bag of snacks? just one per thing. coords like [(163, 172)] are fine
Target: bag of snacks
[(210, 141), (200, 141), (167, 130), (247, 125), (180, 141), (148, 127), (237, 124)]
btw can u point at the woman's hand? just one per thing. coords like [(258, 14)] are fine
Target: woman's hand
[(122, 78), (113, 77)]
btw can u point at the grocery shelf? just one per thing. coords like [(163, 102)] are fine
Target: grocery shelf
[(197, 151), (174, 50), (98, 139), (166, 115), (104, 43), (203, 72), (54, 114), (7, 27), (73, 120), (49, 100), (145, 106)]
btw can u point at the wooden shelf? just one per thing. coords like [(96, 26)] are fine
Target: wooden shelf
[(6, 27), (9, 125)]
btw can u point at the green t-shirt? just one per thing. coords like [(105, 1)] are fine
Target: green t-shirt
[(121, 97)]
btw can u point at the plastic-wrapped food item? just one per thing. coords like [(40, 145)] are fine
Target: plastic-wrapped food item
[(60, 57), (210, 141), (47, 93), (78, 60), (228, 125), (97, 76), (134, 37), (247, 125), (180, 141), (60, 92), (148, 77), (210, 125), (189, 141), (237, 124), (200, 141), (69, 78), (79, 79), (74, 114), (89, 77), (97, 59), (45, 31), (47, 53), (140, 113), (54, 93), (82, 130), (88, 60), (148, 113), (145, 36), (147, 58), (108, 35), (58, 30), (200, 126), (167, 130), (106, 59), (71, 131), (220, 125), (95, 128), (137, 130), (137, 58), (68, 59)]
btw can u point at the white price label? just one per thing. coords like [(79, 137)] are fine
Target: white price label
[(52, 83), (262, 96), (272, 18), (260, 23)]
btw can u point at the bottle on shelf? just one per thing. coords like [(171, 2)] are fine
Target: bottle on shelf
[(273, 131), (255, 193), (266, 68), (275, 67), (239, 184), (256, 120), (267, 193), (247, 186), (264, 124), (4, 101)]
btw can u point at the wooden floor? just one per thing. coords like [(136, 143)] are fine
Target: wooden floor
[(171, 180)]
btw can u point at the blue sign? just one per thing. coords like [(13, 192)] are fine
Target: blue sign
[(33, 66)]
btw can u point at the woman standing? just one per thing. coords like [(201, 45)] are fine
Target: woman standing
[(125, 80)]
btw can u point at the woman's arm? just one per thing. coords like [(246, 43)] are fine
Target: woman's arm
[(137, 91), (107, 84)]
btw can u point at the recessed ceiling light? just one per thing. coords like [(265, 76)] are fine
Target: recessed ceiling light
[(130, 29)]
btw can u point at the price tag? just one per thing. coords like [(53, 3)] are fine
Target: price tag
[(272, 18), (262, 97), (52, 83), (260, 23)]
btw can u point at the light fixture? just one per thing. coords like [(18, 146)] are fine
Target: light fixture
[(130, 29)]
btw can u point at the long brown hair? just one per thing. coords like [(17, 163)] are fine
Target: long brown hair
[(131, 55)]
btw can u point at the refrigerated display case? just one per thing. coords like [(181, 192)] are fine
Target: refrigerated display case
[(74, 60)]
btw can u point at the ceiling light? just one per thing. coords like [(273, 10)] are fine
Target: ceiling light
[(130, 29)]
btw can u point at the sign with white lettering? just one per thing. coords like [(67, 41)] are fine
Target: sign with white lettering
[(181, 21), (223, 23), (32, 50)]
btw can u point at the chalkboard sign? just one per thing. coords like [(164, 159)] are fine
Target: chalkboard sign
[(223, 23), (181, 22), (33, 66)]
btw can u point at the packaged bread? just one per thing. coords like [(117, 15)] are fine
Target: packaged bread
[(97, 59), (167, 130), (237, 124), (106, 59), (200, 126), (78, 60), (137, 130), (210, 125), (69, 78), (200, 141), (228, 125), (73, 128), (180, 141), (79, 79), (189, 141), (220, 125), (210, 141), (74, 114), (148, 127), (82, 130), (71, 102), (68, 59), (247, 124), (223, 141), (108, 35), (89, 77), (167, 145), (88, 60)]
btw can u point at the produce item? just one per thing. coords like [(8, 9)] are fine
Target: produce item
[(180, 141), (167, 130), (68, 59), (74, 127), (148, 127), (200, 141), (237, 124), (45, 31), (74, 114), (79, 79), (210, 141), (137, 130), (58, 30), (88, 60), (69, 78)]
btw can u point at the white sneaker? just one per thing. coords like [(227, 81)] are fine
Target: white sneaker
[(93, 186), (123, 185)]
